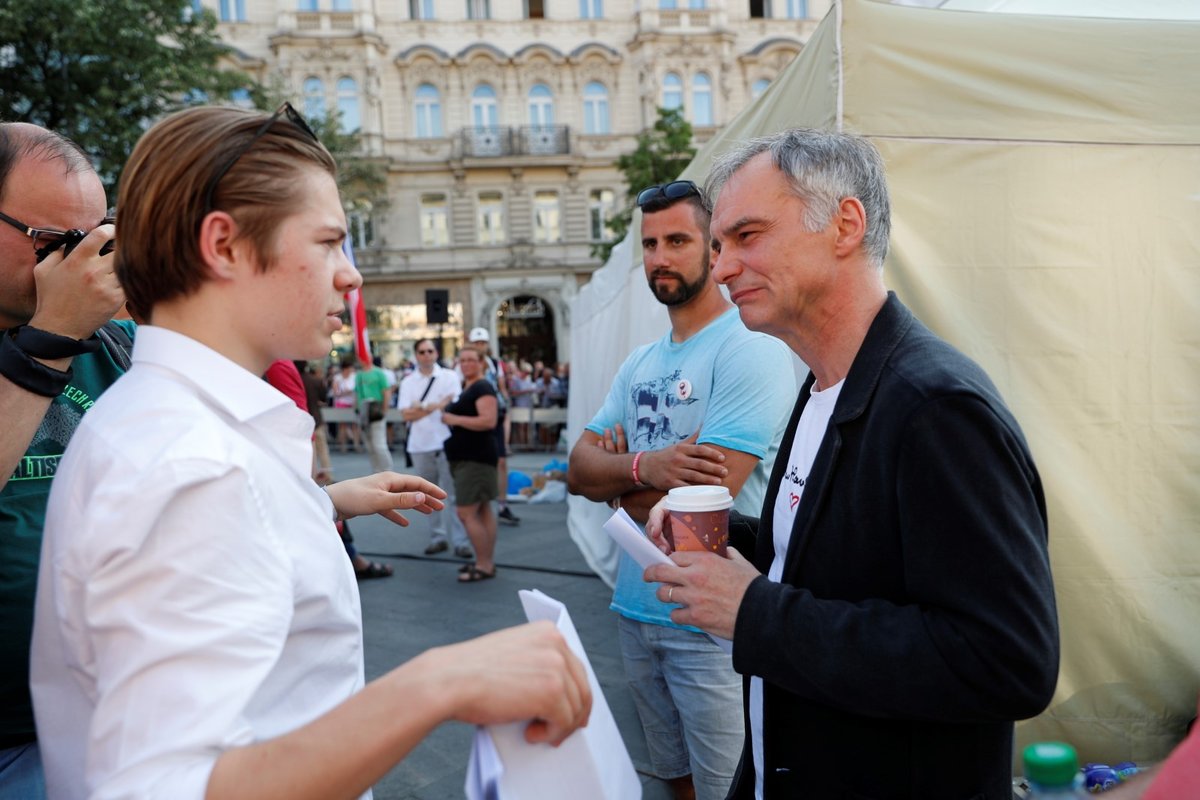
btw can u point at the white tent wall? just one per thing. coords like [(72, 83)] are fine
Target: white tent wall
[(1045, 178)]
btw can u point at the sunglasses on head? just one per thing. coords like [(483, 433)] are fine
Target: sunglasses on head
[(285, 110), (670, 191), (48, 240)]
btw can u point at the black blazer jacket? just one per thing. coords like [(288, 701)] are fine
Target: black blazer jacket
[(915, 620)]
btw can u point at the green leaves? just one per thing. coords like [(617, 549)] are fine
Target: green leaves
[(101, 71), (661, 155)]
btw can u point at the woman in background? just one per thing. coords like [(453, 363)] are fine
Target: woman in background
[(471, 451)]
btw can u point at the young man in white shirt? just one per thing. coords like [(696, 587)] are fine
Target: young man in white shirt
[(198, 630), (422, 395)]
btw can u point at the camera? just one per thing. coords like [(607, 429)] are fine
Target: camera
[(71, 238)]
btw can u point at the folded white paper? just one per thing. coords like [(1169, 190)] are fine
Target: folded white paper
[(625, 532), (591, 764)]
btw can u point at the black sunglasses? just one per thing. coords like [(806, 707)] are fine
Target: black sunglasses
[(284, 110), (671, 191), (47, 240)]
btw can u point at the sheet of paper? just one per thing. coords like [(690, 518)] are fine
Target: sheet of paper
[(628, 534), (593, 761), (625, 532)]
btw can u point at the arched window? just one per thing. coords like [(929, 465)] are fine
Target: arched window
[(427, 111), (484, 111), (306, 5), (595, 108), (314, 98), (541, 106), (758, 87), (342, 5), (347, 105), (672, 91), (702, 105)]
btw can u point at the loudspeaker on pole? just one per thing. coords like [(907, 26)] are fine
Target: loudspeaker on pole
[(437, 306)]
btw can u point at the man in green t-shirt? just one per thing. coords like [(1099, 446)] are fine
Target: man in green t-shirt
[(372, 386), (52, 368)]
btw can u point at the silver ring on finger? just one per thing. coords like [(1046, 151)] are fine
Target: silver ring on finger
[(670, 594)]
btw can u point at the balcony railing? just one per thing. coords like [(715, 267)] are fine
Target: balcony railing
[(529, 140), (544, 140)]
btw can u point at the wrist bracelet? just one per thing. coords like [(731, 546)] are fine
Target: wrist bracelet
[(44, 344), (637, 457), (28, 373)]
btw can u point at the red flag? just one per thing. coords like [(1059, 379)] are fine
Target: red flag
[(358, 313)]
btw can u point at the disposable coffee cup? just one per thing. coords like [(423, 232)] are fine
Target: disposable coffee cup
[(699, 518)]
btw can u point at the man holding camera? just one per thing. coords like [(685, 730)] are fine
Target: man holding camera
[(56, 291)]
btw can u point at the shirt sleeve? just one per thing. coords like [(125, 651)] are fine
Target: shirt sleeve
[(181, 632), (754, 389)]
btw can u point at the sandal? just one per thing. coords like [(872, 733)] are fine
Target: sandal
[(373, 570), (465, 568), (474, 574)]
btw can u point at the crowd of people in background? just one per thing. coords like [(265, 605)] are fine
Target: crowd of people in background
[(523, 384)]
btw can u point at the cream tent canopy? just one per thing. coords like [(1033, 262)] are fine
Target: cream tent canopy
[(1045, 179)]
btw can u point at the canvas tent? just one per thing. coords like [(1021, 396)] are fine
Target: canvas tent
[(1045, 177)]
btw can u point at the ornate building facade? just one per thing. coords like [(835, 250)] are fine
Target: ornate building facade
[(498, 123)]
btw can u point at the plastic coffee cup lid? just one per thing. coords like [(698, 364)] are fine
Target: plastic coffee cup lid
[(699, 498)]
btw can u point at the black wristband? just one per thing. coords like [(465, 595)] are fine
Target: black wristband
[(44, 344), (28, 373)]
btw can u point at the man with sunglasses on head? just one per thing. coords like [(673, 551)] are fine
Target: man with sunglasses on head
[(57, 288), (702, 405)]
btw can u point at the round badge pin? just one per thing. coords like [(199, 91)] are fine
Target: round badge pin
[(683, 389)]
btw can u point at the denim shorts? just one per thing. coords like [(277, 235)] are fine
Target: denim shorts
[(689, 701)]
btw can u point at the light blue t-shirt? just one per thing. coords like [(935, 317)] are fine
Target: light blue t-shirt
[(735, 386)]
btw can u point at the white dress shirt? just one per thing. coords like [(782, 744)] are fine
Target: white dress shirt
[(428, 433), (193, 595)]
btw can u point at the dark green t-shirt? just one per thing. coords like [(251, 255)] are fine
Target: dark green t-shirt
[(22, 517)]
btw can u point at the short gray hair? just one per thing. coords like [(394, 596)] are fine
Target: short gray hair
[(823, 168)]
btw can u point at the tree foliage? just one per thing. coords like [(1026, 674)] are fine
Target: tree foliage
[(661, 155), (101, 71)]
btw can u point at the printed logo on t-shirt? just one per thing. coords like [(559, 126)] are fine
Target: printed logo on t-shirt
[(50, 441), (657, 404)]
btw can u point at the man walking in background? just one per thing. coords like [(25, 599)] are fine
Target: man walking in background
[(374, 397)]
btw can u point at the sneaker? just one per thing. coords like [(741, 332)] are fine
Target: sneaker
[(508, 517), (436, 547), (462, 551)]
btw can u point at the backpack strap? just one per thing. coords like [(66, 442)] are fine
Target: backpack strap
[(118, 342)]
